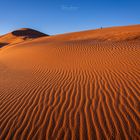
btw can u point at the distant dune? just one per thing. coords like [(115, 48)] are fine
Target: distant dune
[(75, 86), (19, 36)]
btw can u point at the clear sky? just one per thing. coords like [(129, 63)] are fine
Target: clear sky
[(61, 16)]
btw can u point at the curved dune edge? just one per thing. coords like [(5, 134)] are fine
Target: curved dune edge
[(58, 88)]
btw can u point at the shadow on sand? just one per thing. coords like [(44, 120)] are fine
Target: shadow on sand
[(3, 44), (28, 33)]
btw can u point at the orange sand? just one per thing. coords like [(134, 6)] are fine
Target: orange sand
[(83, 85)]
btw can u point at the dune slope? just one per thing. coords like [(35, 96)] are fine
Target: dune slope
[(74, 86)]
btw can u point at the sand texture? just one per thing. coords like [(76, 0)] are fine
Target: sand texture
[(76, 86)]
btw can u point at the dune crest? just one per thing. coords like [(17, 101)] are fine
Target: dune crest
[(77, 86)]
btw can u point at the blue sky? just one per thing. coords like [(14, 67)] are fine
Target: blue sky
[(61, 16)]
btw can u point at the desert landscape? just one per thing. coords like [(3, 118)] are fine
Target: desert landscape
[(74, 86)]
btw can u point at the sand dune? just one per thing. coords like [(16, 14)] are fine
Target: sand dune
[(83, 85), (19, 36)]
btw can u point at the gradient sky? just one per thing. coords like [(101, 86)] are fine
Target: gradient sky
[(61, 16)]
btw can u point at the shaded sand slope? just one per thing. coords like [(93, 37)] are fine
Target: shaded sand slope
[(19, 36), (82, 85)]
